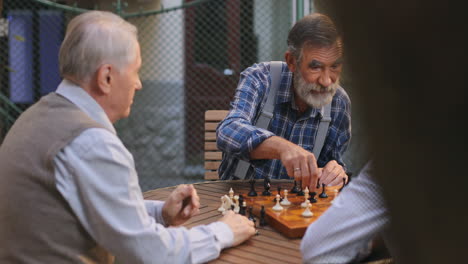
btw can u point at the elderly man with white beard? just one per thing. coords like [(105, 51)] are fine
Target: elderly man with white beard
[(309, 80)]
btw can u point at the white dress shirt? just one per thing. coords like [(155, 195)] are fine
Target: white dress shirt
[(344, 232), (96, 175)]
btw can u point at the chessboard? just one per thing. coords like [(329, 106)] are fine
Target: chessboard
[(289, 221)]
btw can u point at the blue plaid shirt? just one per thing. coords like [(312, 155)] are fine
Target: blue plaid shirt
[(237, 137)]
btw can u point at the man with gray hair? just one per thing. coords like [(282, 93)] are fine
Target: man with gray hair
[(308, 84), (69, 190)]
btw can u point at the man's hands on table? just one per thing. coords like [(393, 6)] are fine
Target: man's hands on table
[(184, 203), (181, 205), (241, 226)]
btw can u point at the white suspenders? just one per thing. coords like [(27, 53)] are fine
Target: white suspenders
[(267, 114)]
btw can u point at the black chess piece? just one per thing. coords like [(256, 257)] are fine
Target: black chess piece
[(312, 197), (294, 188), (279, 192), (300, 192), (242, 209), (344, 183), (323, 194), (266, 185), (262, 216), (318, 184), (252, 188), (241, 199), (251, 217)]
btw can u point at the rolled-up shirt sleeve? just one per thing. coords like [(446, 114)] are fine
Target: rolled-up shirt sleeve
[(96, 175), (236, 134)]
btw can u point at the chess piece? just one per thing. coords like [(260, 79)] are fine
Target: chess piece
[(231, 193), (277, 207), (294, 188), (285, 199), (306, 198), (312, 197), (323, 194), (221, 208), (266, 185), (252, 188), (318, 184), (251, 217), (242, 208), (262, 216), (279, 192), (344, 183), (236, 208), (307, 212), (241, 199), (300, 192), (227, 204)]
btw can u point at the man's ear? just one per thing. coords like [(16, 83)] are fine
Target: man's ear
[(290, 61), (104, 78)]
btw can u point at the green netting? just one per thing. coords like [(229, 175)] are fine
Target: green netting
[(193, 52)]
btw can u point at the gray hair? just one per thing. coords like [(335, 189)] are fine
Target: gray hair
[(95, 38), (315, 29)]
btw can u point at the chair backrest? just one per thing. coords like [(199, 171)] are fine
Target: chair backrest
[(213, 155)]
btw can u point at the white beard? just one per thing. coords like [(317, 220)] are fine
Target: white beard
[(303, 90)]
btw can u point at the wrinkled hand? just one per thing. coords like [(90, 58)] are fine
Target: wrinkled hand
[(181, 204), (300, 164), (333, 174), (241, 227)]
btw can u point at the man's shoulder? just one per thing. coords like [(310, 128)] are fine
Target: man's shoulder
[(261, 67), (341, 96)]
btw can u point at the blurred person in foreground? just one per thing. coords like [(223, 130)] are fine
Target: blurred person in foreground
[(69, 190)]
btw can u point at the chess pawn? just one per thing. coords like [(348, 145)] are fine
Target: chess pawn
[(323, 194), (306, 196), (252, 188), (221, 208), (285, 199), (231, 193), (277, 207), (266, 185), (312, 197), (294, 188), (307, 212)]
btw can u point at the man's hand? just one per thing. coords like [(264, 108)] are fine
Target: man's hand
[(182, 204), (241, 227), (299, 163), (333, 174)]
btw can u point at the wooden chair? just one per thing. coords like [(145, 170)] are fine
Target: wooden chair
[(213, 155)]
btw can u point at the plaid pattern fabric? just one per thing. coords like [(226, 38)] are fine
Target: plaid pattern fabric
[(236, 136)]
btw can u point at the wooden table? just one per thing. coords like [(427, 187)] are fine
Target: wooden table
[(268, 247)]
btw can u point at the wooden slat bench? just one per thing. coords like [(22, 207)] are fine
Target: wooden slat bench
[(212, 154)]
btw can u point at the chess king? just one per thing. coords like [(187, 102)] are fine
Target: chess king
[(307, 96)]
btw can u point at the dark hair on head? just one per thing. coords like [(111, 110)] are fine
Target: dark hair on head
[(315, 29)]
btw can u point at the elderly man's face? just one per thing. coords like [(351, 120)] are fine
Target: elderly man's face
[(316, 77), (127, 82)]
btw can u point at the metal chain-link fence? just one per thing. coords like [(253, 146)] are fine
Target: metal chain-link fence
[(193, 52)]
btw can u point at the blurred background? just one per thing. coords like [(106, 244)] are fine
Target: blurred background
[(193, 52)]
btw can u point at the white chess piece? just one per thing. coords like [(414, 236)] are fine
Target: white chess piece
[(236, 204), (307, 212), (285, 200), (221, 208), (231, 193), (277, 207), (227, 203), (306, 196)]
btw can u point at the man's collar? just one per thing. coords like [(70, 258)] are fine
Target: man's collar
[(85, 102)]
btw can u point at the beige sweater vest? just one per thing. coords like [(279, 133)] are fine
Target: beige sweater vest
[(36, 223)]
